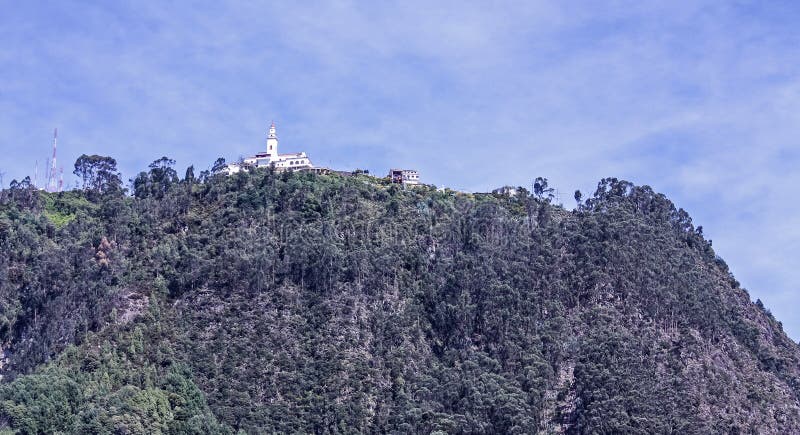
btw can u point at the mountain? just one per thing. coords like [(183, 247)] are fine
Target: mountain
[(302, 303)]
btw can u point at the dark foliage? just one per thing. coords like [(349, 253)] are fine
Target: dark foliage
[(295, 303), (98, 174)]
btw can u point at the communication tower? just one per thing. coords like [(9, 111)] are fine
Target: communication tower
[(52, 178)]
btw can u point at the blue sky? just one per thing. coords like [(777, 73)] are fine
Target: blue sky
[(700, 100)]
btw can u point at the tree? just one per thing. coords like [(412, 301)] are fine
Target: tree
[(162, 175), (157, 181), (98, 173), (541, 190), (578, 197), (161, 171), (20, 186), (141, 185), (24, 193), (189, 176), (219, 166)]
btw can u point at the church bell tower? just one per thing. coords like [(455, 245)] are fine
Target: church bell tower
[(272, 141)]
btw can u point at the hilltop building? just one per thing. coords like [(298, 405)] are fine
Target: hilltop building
[(301, 162), (281, 162), (404, 176), (506, 190)]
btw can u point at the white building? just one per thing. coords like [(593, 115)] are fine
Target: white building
[(506, 190), (281, 162), (404, 176)]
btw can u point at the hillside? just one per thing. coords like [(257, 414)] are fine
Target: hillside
[(296, 303)]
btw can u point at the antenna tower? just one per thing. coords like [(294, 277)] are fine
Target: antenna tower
[(52, 179)]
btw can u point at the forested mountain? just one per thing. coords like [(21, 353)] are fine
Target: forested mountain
[(301, 303)]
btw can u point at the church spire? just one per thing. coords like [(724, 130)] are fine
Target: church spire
[(272, 140)]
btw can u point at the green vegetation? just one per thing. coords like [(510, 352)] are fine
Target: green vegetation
[(295, 303), (64, 208)]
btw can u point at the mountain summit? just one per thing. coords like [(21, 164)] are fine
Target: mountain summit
[(303, 303)]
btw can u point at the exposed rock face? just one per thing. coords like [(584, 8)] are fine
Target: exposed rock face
[(132, 305)]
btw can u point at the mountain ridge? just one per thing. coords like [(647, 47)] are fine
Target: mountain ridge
[(292, 302)]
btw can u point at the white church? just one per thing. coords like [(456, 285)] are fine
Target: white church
[(281, 162), (300, 162)]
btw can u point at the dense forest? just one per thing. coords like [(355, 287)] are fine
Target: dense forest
[(269, 302)]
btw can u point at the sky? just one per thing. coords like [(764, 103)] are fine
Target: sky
[(700, 100)]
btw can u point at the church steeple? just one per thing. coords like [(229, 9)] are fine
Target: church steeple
[(272, 141)]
